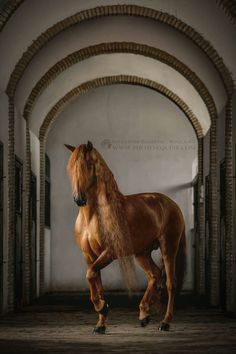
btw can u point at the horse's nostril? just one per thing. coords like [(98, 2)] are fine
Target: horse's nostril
[(83, 196), (81, 199)]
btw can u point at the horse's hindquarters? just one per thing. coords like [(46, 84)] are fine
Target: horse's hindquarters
[(149, 216)]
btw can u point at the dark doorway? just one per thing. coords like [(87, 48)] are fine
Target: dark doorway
[(33, 235), (1, 227), (18, 234), (222, 237), (207, 238)]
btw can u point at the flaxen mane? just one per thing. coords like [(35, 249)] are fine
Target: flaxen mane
[(114, 223), (75, 167)]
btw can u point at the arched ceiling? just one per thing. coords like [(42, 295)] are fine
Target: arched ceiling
[(118, 64), (116, 80), (34, 18), (117, 47), (203, 16), (113, 29)]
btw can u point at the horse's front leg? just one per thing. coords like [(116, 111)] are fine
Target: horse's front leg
[(96, 290), (103, 313)]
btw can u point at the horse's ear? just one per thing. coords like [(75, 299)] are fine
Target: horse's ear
[(89, 146), (71, 148)]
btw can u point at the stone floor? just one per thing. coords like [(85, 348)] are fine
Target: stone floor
[(54, 327)]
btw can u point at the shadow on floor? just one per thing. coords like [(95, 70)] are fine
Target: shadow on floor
[(74, 301)]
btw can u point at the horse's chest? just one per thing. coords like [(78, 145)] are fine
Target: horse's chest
[(88, 235)]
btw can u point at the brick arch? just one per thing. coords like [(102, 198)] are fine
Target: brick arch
[(7, 11), (118, 79), (229, 8), (116, 10), (119, 47)]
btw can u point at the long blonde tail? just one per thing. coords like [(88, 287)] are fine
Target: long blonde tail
[(128, 272)]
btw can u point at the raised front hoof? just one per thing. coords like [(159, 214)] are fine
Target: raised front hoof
[(99, 330), (164, 327), (145, 321)]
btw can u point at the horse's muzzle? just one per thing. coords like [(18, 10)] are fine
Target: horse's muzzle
[(80, 200)]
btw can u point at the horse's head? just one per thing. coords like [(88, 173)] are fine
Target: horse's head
[(81, 169)]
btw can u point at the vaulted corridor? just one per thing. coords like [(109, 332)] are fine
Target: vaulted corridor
[(151, 85)]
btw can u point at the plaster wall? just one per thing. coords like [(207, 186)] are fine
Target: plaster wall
[(149, 145)]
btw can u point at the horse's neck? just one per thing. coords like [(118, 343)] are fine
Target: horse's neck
[(97, 201), (99, 195)]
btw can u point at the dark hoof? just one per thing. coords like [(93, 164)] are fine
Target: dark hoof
[(104, 311), (164, 326), (99, 330), (145, 321)]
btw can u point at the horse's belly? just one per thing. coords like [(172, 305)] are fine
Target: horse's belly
[(144, 225)]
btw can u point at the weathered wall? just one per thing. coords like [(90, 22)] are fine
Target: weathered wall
[(148, 144)]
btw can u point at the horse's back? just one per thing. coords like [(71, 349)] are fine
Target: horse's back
[(155, 200)]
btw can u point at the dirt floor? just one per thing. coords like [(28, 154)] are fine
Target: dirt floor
[(59, 328)]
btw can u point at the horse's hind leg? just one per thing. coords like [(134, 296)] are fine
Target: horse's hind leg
[(153, 274), (169, 251)]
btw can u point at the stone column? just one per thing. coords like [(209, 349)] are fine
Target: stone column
[(213, 219), (11, 204), (27, 232), (229, 203), (201, 223), (42, 215)]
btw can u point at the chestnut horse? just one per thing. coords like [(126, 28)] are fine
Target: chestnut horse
[(112, 226)]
